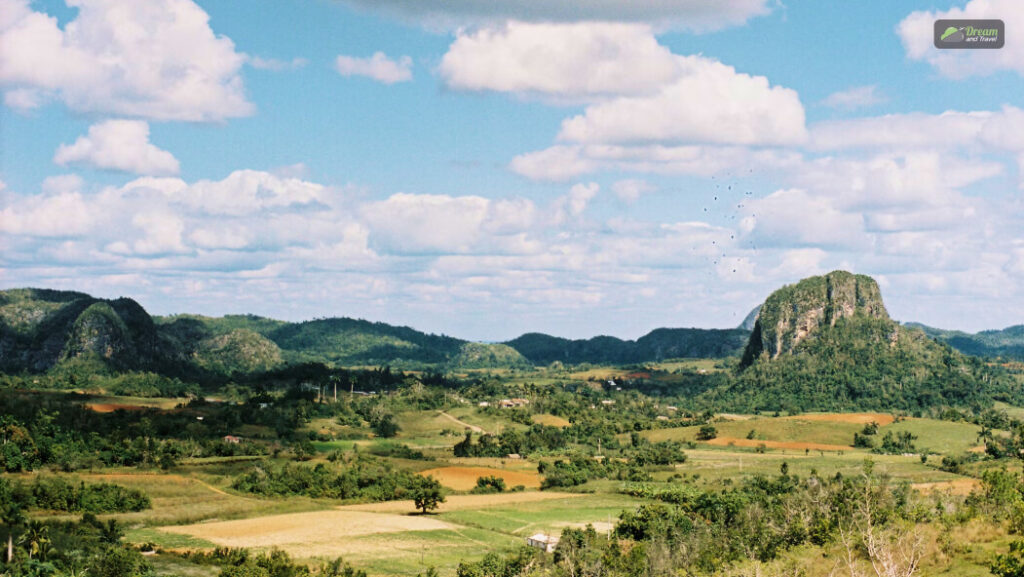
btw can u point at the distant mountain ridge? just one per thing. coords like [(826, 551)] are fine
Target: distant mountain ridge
[(657, 345), (42, 328), (1007, 343)]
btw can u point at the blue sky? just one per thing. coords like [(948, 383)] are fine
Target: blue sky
[(484, 169)]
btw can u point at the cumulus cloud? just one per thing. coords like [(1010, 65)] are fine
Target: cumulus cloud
[(158, 60), (433, 223), (796, 218), (276, 65), (573, 204), (694, 15), (917, 31), (631, 189), (121, 145), (564, 162), (854, 98), (568, 61), (996, 130), (377, 67), (709, 103)]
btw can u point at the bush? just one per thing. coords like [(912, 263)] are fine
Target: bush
[(489, 485)]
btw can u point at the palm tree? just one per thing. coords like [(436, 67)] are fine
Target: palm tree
[(36, 540)]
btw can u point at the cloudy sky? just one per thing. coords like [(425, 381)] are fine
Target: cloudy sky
[(487, 168)]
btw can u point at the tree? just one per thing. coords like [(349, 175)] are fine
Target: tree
[(707, 432), (386, 426), (10, 515), (427, 494), (1011, 564)]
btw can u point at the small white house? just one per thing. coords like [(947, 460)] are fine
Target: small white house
[(543, 541)]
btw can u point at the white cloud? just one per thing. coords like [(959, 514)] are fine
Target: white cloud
[(433, 224), (570, 61), (118, 145), (800, 263), (557, 163), (23, 99), (157, 59), (854, 98), (377, 67), (161, 234), (55, 214), (62, 183), (574, 203), (918, 179), (564, 162), (243, 192), (275, 65), (709, 103), (694, 15), (1000, 130), (630, 190), (917, 33), (796, 218)]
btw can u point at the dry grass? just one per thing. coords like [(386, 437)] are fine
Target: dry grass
[(309, 534), (464, 502), (111, 407), (551, 421), (800, 446), (857, 418), (464, 478), (955, 487)]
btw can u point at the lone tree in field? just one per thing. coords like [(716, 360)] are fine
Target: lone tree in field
[(707, 432), (427, 494)]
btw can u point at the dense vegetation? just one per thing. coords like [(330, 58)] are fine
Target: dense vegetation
[(360, 478), (58, 494), (693, 531)]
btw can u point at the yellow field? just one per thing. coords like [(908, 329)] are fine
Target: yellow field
[(551, 421), (464, 478), (465, 502), (367, 531), (318, 533)]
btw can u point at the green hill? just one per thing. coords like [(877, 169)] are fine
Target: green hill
[(658, 345), (1007, 343)]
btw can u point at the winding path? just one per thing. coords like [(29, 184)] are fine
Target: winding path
[(473, 428)]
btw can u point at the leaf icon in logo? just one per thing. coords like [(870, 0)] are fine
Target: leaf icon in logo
[(952, 34)]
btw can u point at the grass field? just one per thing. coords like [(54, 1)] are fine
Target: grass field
[(387, 539), (829, 432), (194, 507)]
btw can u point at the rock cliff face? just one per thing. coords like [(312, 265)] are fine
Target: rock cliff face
[(794, 312), (40, 328)]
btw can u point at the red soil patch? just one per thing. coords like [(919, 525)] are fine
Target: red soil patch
[(464, 478), (857, 418), (731, 441)]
